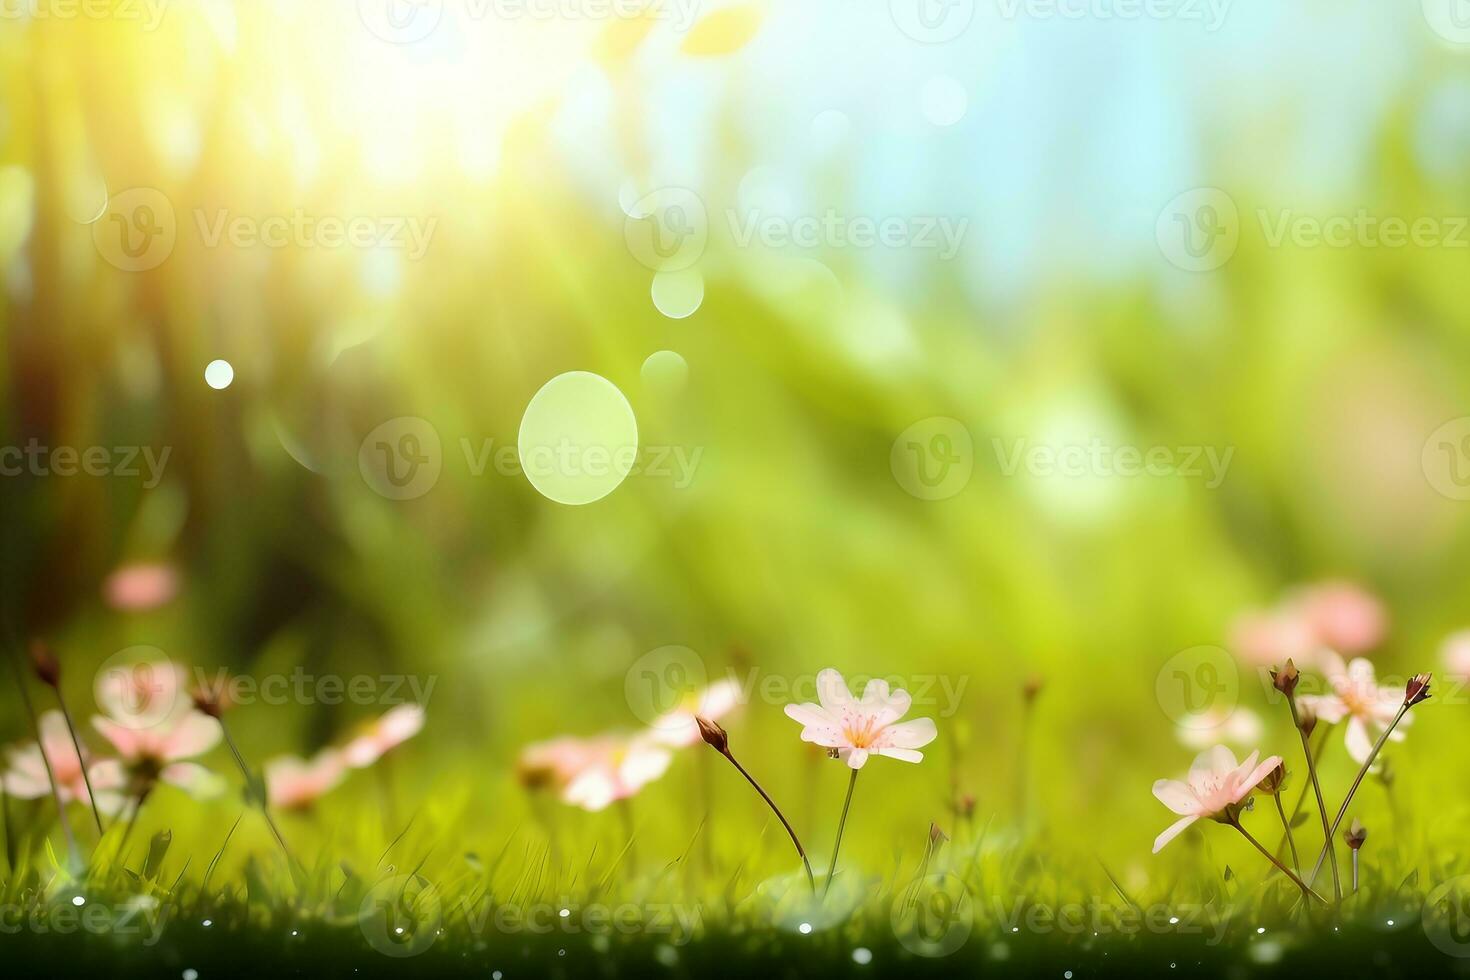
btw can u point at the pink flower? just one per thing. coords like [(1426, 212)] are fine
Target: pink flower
[(677, 728), (1273, 637), (613, 768), (1357, 696), (159, 751), (26, 777), (552, 763), (1332, 615), (293, 783), (141, 586), (1456, 654), (144, 693), (397, 726), (854, 729), (1343, 616), (1215, 783)]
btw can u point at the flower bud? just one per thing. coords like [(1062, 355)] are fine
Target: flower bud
[(1271, 783), (1306, 719), (44, 663), (713, 734), (1355, 834), (209, 701), (1417, 689), (1286, 678)]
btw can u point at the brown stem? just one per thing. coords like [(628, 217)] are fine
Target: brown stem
[(1328, 848), (811, 879), (25, 696), (1296, 861), (82, 760), (1357, 781), (1272, 858)]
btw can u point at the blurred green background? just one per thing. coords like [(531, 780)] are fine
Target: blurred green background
[(531, 145)]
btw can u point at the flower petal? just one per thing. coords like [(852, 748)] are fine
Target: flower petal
[(1173, 830), (1212, 761), (1177, 796), (194, 734), (1359, 745), (1327, 707), (1249, 781), (903, 755), (914, 734), (193, 779), (856, 758), (832, 690)]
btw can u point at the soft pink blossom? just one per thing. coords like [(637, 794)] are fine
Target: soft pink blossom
[(677, 728), (141, 586), (552, 763), (161, 750), (1368, 706), (1343, 616), (25, 777), (1328, 616), (1456, 654), (855, 729), (613, 767), (1215, 783), (293, 783), (143, 694), (396, 726)]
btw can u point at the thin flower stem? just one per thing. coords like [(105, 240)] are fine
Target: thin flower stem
[(810, 878), (1355, 871), (837, 844), (25, 696), (1296, 861), (1357, 781), (1301, 798), (1272, 858), (133, 818), (1321, 804), (250, 783), (82, 759)]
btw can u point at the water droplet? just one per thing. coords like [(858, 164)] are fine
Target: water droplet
[(218, 374), (862, 956), (805, 928), (678, 294), (191, 974)]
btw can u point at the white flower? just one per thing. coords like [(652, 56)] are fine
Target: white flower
[(859, 728)]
